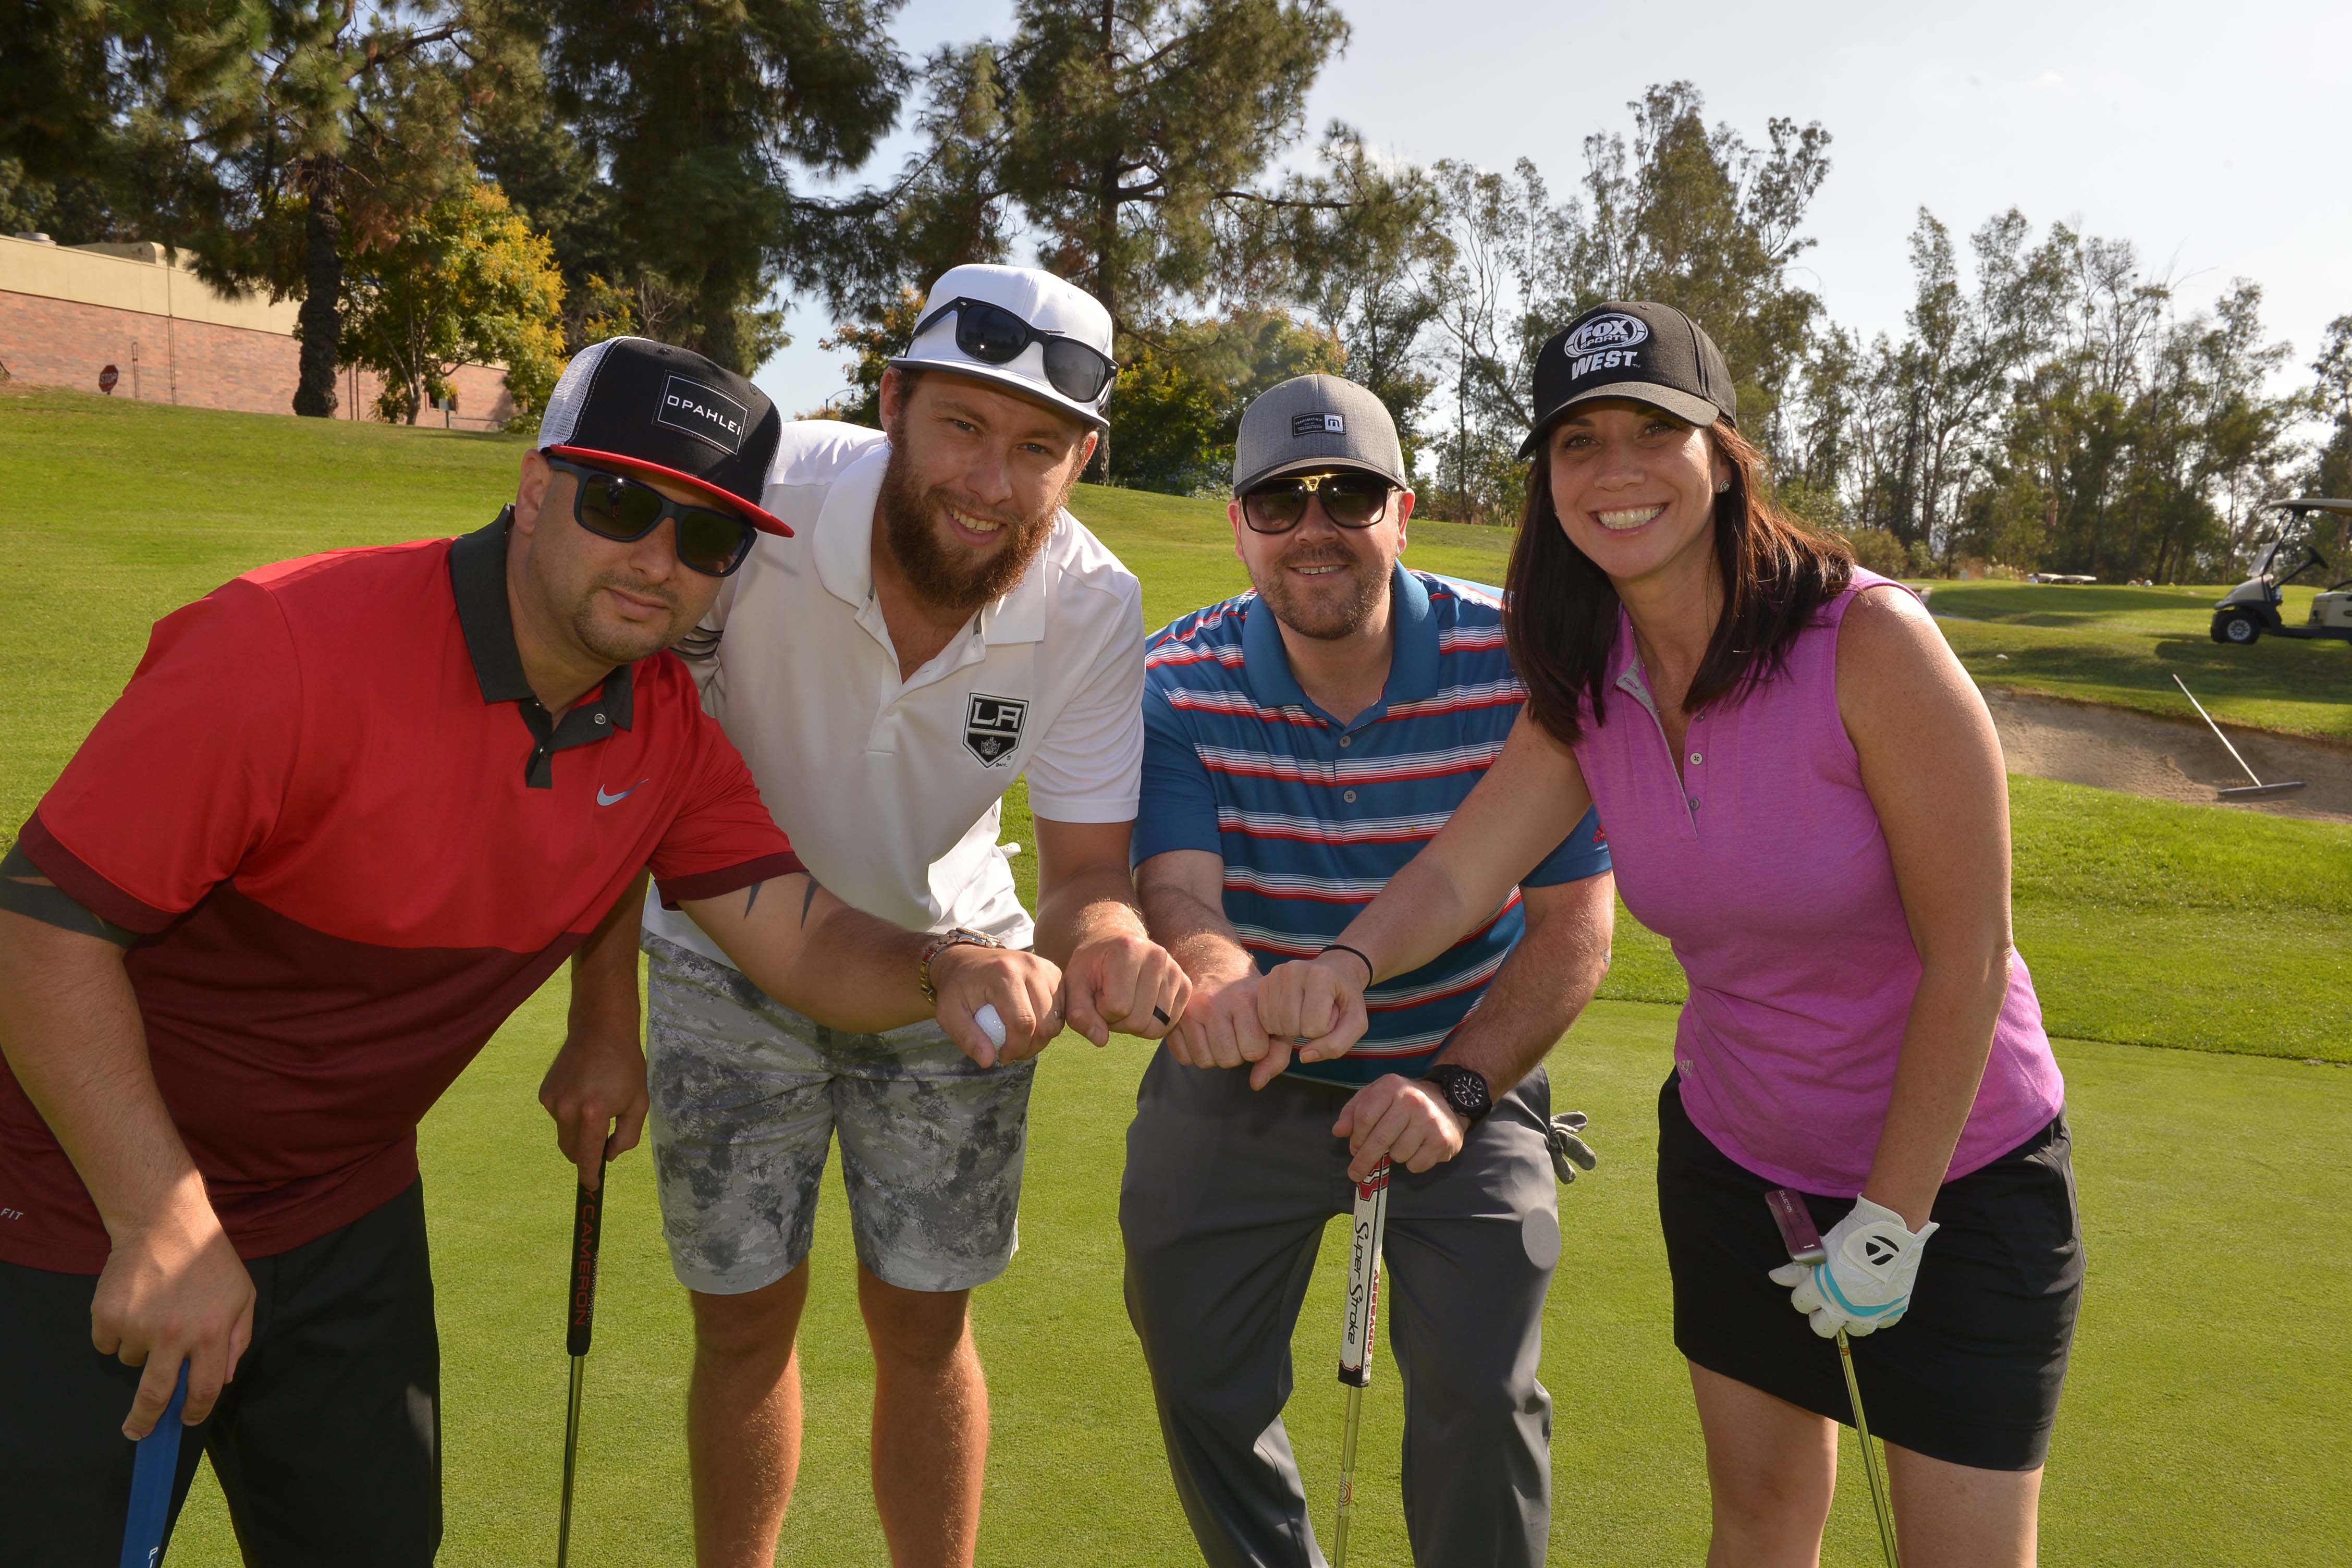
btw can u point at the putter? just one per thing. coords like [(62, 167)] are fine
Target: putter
[(580, 1318), (152, 1470), (1803, 1240), (1372, 1221)]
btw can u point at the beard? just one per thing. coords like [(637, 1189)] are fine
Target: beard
[(1339, 607), (938, 568), (620, 642)]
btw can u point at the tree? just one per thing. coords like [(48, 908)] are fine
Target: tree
[(467, 284), (695, 113), (279, 136), (1706, 222), (1361, 246), (2329, 472), (60, 100), (1179, 399), (874, 341), (1127, 134)]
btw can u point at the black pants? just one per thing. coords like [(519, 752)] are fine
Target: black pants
[(328, 1444)]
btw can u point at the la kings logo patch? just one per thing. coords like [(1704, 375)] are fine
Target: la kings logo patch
[(703, 412), (991, 727)]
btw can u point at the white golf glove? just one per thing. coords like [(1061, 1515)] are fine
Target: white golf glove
[(1873, 1257)]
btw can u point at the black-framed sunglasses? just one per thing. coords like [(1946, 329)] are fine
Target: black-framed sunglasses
[(622, 510), (994, 335), (1352, 500)]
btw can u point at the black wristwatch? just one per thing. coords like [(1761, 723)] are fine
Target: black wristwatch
[(1464, 1089)]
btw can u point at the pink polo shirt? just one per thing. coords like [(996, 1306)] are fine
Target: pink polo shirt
[(1764, 865)]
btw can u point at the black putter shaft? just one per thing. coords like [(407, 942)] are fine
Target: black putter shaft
[(579, 1322)]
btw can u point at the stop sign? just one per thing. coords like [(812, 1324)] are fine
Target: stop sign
[(107, 378)]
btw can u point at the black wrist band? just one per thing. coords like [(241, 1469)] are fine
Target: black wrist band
[(1369, 973)]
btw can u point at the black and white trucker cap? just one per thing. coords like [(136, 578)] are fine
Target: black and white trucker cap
[(1316, 423), (653, 409), (1651, 353)]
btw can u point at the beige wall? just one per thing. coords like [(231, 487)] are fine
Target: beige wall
[(66, 313), (134, 279)]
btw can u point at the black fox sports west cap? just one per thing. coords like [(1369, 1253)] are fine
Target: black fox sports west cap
[(653, 409), (1316, 423), (1651, 353)]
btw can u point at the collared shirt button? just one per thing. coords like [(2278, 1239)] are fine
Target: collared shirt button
[(1349, 797), (1698, 758), (600, 719), (1693, 803), (1345, 739)]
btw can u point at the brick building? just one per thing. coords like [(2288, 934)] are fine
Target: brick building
[(69, 313)]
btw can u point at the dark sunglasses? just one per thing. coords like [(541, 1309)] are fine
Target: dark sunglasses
[(994, 335), (612, 506), (1350, 501)]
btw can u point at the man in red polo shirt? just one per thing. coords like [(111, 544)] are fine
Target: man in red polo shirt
[(350, 812)]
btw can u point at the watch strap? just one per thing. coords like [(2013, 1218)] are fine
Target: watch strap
[(960, 937), (1448, 1074)]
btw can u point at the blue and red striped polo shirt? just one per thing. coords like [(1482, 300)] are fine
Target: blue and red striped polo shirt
[(1312, 817)]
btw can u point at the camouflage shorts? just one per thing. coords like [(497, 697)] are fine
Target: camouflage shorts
[(747, 1096)]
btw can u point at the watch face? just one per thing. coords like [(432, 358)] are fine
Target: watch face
[(1462, 1090)]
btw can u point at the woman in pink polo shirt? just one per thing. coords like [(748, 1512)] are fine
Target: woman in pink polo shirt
[(1803, 792)]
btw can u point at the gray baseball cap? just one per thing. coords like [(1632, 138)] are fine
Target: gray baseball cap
[(1313, 424)]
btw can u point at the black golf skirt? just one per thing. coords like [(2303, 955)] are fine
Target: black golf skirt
[(1972, 1374)]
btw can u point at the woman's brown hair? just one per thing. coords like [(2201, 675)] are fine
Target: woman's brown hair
[(1561, 610)]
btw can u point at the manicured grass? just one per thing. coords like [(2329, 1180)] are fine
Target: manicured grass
[(2203, 1421), (2123, 646), (2152, 924)]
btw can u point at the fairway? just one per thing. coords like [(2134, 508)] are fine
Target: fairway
[(2123, 646), (2204, 1418)]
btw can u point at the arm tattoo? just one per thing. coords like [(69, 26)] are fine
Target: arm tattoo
[(806, 899)]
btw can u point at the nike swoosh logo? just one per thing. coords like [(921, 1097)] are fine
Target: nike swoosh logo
[(603, 799)]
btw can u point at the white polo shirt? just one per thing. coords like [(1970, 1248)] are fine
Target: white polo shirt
[(891, 790)]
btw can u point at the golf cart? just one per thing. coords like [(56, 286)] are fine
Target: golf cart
[(2252, 607)]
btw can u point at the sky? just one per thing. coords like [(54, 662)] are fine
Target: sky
[(2219, 142)]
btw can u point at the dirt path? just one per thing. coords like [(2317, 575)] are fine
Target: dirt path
[(2111, 748)]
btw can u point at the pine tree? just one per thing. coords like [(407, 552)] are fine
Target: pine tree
[(697, 112)]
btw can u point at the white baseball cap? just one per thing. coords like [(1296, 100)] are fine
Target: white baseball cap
[(1055, 350)]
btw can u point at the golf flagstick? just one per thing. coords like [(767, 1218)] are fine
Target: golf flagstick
[(580, 1318), (1371, 1220), (1803, 1240), (152, 1470)]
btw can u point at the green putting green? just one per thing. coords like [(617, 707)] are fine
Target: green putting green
[(2204, 1418)]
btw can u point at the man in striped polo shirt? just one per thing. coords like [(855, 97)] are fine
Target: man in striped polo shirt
[(1301, 742)]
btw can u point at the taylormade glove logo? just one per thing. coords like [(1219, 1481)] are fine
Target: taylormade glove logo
[(703, 412)]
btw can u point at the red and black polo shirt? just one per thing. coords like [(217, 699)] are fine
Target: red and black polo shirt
[(351, 842)]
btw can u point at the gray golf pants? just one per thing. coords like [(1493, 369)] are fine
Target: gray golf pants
[(1223, 1206)]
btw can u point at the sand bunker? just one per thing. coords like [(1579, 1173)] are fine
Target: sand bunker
[(2111, 748)]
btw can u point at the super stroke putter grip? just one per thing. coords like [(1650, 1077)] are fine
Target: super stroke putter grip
[(587, 1232), (1370, 1220)]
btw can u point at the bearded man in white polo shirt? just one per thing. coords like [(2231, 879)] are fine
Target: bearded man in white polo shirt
[(938, 626)]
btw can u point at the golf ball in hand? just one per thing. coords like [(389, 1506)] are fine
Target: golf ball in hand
[(989, 1024)]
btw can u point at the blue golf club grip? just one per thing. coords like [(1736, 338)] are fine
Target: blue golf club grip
[(587, 1232), (152, 1472)]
